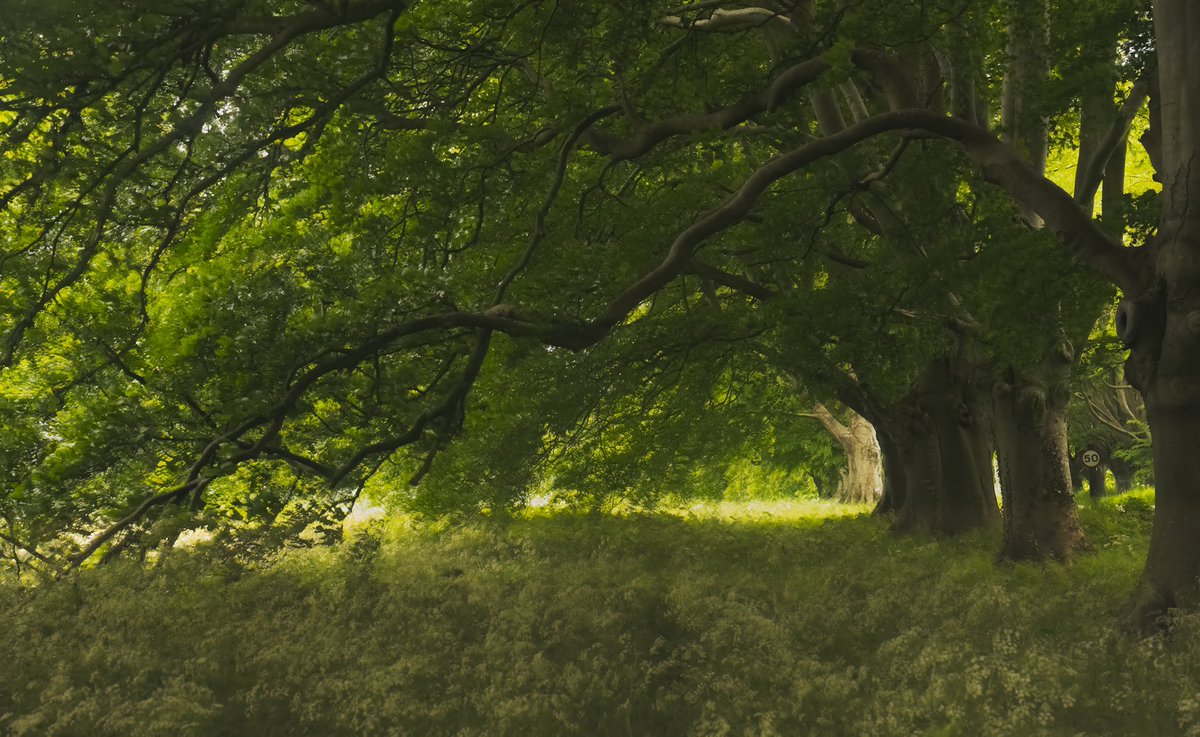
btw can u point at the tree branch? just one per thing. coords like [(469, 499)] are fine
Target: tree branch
[(94, 544), (646, 138), (539, 224), (733, 281), (1093, 173), (732, 19), (840, 432), (28, 549), (1000, 164)]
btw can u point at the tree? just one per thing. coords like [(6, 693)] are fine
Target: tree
[(862, 480)]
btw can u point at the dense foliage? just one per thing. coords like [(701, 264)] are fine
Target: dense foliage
[(762, 619), (260, 256)]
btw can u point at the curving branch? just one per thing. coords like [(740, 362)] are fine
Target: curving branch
[(1092, 175), (645, 138), (30, 549), (96, 541), (1001, 164), (732, 19), (733, 281), (539, 225)]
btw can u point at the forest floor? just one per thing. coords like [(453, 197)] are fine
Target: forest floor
[(796, 618)]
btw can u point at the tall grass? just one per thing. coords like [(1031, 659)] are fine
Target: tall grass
[(760, 620)]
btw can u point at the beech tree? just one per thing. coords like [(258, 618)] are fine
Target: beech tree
[(862, 480), (257, 253)]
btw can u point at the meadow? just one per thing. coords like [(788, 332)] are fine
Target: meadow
[(789, 618)]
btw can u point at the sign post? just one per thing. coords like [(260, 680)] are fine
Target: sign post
[(1092, 459)]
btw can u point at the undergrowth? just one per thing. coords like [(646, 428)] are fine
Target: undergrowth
[(761, 620)]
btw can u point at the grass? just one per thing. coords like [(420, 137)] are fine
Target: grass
[(755, 619)]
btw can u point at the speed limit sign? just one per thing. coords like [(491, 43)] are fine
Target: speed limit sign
[(1090, 458)]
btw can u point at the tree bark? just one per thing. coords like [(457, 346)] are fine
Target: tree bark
[(1027, 70), (1040, 521), (921, 461), (894, 483), (1094, 119), (968, 499), (978, 400), (862, 480), (1161, 325), (1095, 481), (1122, 472), (1112, 196), (1173, 564), (1076, 467), (863, 483), (945, 492)]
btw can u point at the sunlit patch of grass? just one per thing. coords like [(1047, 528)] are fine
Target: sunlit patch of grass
[(784, 510)]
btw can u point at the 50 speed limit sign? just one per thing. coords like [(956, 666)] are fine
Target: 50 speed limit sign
[(1091, 458)]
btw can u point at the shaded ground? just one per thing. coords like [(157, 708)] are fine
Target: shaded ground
[(780, 619)]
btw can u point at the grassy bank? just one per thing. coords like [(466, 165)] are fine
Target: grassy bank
[(768, 619)]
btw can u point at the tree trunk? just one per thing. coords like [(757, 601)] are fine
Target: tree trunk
[(964, 502), (1112, 197), (1122, 472), (1040, 521), (862, 481), (1173, 565), (945, 490), (824, 483), (1095, 481), (921, 461), (1026, 73), (1094, 475), (1161, 325), (978, 399), (894, 484), (1077, 468)]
